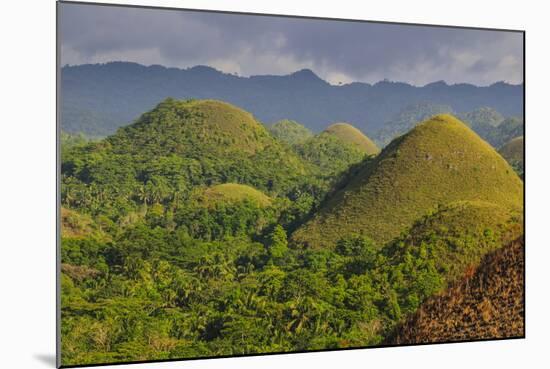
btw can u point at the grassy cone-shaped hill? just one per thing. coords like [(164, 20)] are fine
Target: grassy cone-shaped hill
[(233, 193), (459, 235), (349, 134), (337, 148), (185, 126), (438, 162), (189, 143)]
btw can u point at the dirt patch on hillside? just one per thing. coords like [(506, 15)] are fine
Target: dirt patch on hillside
[(486, 303)]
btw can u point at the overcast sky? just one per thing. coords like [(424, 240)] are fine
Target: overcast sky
[(248, 45)]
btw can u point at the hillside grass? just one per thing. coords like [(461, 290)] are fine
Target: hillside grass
[(349, 134), (438, 162), (77, 225), (233, 193), (459, 234), (329, 154), (176, 125)]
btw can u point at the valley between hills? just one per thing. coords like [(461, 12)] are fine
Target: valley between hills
[(199, 231)]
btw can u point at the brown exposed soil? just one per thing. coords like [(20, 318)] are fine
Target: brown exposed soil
[(486, 303), (79, 272)]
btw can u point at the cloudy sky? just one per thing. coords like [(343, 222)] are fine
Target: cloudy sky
[(250, 45)]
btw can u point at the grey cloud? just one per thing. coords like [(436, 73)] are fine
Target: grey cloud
[(336, 50)]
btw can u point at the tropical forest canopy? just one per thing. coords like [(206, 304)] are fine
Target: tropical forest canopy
[(196, 231)]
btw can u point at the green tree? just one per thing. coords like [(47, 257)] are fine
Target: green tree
[(278, 243)]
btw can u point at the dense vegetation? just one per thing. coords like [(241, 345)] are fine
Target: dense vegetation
[(290, 132), (172, 150), (332, 155), (179, 241), (506, 131), (152, 293), (481, 118)]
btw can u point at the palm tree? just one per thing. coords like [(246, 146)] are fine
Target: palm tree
[(68, 197), (307, 313), (143, 195)]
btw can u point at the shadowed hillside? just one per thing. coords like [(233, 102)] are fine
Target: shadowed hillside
[(291, 132), (513, 153), (407, 118), (486, 304), (481, 118), (438, 162), (509, 128)]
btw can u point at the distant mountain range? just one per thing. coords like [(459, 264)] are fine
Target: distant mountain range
[(99, 98)]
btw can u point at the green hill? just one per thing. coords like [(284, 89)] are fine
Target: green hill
[(329, 154), (336, 149), (233, 193), (176, 147), (291, 132), (190, 127), (458, 235), (440, 248), (512, 151), (349, 134), (438, 162)]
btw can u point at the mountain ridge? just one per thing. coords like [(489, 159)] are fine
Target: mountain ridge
[(98, 98)]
